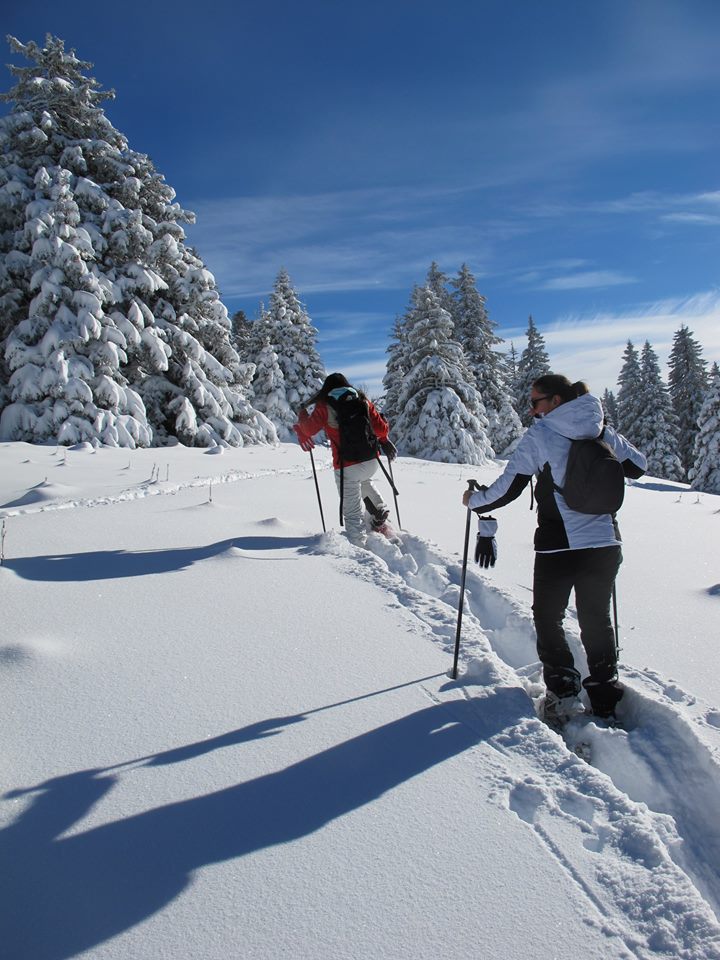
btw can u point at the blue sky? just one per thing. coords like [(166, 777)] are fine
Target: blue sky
[(567, 150)]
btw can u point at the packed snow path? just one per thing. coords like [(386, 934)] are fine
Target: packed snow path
[(277, 690)]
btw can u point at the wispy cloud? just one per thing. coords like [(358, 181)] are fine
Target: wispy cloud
[(589, 346), (589, 279), (699, 219), (355, 240)]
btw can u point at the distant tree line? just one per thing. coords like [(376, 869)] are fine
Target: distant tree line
[(676, 425), (452, 394)]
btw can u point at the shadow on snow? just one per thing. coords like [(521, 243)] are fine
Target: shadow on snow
[(69, 894), (117, 564)]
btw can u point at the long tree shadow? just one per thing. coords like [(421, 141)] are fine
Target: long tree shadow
[(118, 564), (69, 894)]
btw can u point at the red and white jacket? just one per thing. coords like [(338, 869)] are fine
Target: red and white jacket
[(323, 418)]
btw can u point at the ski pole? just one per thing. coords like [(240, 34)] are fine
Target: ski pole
[(317, 489), (471, 486), (392, 483), (615, 618)]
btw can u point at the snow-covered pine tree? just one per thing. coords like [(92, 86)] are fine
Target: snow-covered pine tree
[(113, 330), (629, 403), (687, 383), (442, 414), (511, 365), (286, 327), (240, 328), (395, 371), (475, 332), (438, 282), (533, 363), (269, 393), (655, 428), (705, 472), (609, 404)]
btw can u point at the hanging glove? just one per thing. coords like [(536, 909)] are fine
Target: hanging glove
[(306, 443), (389, 449), (486, 545)]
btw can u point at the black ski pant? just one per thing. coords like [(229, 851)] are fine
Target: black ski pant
[(591, 573)]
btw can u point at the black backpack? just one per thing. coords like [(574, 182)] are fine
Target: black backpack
[(357, 437), (594, 478)]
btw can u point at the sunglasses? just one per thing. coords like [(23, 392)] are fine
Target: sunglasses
[(534, 401)]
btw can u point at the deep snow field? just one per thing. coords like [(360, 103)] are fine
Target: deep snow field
[(229, 735)]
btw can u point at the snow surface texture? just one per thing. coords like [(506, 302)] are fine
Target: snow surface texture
[(228, 734)]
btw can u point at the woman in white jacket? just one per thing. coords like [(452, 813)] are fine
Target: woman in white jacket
[(574, 550)]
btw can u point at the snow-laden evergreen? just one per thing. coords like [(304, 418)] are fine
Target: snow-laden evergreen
[(442, 414), (240, 332), (534, 362), (610, 407), (113, 330), (656, 426), (286, 328), (705, 472), (475, 332), (687, 383), (397, 365), (269, 394), (629, 396), (438, 281)]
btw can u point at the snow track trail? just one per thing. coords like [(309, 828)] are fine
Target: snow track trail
[(652, 834), (47, 496)]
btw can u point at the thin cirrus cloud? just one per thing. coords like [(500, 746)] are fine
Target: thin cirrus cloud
[(588, 279), (349, 240), (592, 344)]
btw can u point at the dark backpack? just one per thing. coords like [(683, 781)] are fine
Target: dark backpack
[(594, 478), (357, 437)]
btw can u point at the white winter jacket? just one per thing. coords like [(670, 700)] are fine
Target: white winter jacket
[(544, 450)]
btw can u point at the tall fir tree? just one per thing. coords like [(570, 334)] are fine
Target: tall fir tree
[(533, 363), (112, 328), (396, 368), (240, 329), (610, 407), (655, 428), (269, 394), (629, 403), (687, 383), (286, 327), (705, 472), (442, 416), (475, 332), (438, 282)]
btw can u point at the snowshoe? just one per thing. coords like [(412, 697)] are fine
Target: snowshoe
[(557, 712), (386, 530)]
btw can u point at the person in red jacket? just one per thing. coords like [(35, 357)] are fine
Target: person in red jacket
[(353, 477)]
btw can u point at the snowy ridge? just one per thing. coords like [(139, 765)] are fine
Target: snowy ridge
[(648, 806)]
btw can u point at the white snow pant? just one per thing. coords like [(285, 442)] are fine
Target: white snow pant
[(357, 485)]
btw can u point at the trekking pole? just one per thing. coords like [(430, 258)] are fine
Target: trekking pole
[(471, 486), (388, 476), (615, 618), (317, 489), (392, 483)]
